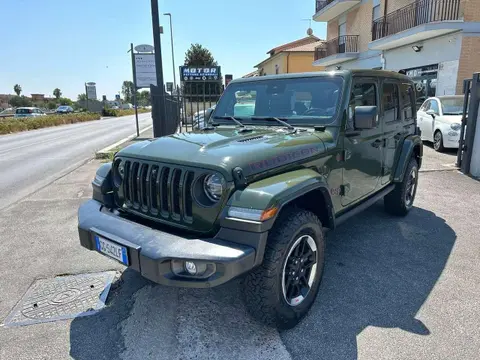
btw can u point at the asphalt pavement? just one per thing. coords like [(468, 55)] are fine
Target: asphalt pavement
[(29, 160), (393, 288)]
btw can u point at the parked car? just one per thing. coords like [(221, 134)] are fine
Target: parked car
[(251, 195), (28, 112), (64, 109), (440, 119)]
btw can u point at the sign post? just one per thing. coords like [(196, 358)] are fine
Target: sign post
[(134, 89)]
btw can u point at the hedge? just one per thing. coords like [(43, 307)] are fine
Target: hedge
[(118, 112), (12, 125)]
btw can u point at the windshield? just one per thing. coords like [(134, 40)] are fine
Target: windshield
[(299, 101), (452, 106)]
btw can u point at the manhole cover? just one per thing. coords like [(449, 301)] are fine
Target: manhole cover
[(63, 297)]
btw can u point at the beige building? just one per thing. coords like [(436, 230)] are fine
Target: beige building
[(294, 57), (436, 42)]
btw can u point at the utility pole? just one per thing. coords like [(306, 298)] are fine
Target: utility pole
[(173, 54), (158, 92)]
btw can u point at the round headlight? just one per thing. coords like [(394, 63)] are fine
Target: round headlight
[(214, 185), (121, 168)]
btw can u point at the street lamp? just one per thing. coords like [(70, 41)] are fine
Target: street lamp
[(173, 55)]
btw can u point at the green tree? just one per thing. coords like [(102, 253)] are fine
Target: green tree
[(82, 97), (127, 90), (57, 93), (51, 105), (197, 55), (18, 101), (65, 101), (18, 89), (143, 98)]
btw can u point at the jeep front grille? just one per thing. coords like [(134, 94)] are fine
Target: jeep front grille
[(158, 191)]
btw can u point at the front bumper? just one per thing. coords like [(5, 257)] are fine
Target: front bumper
[(451, 139), (151, 251)]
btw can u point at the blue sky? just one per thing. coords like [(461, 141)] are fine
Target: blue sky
[(63, 43)]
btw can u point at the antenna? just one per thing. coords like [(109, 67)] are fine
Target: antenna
[(309, 30)]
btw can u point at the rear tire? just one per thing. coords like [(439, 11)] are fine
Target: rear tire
[(400, 200), (438, 141), (281, 291)]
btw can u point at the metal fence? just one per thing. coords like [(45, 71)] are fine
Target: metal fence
[(417, 13), (185, 109), (340, 45)]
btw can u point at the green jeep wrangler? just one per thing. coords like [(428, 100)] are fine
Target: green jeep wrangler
[(282, 160)]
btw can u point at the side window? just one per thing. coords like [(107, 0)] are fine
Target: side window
[(434, 106), (406, 93), (426, 105), (364, 93), (391, 105)]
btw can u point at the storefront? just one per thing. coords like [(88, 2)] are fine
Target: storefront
[(425, 79)]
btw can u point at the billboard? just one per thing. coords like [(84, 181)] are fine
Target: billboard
[(200, 73), (91, 90), (145, 71), (228, 78)]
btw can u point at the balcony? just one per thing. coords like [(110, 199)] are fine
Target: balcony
[(326, 10), (338, 50), (421, 20)]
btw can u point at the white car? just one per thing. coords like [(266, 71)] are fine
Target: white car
[(440, 119), (28, 112)]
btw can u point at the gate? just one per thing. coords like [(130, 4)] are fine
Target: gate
[(185, 106), (471, 90)]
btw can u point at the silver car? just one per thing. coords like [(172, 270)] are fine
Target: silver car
[(28, 112)]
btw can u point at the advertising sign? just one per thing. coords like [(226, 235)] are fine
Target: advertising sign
[(144, 48), (194, 73), (169, 86), (91, 90), (145, 70)]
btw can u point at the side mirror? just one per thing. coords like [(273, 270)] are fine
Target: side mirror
[(208, 113), (431, 112), (365, 117)]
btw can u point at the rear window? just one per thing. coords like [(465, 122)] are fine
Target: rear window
[(23, 111)]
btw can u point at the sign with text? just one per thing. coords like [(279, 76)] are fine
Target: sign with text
[(199, 73), (169, 86), (91, 90), (145, 70), (228, 78)]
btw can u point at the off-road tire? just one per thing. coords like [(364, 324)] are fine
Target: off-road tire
[(396, 201), (263, 292), (438, 145)]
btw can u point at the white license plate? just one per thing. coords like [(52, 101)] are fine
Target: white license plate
[(111, 249)]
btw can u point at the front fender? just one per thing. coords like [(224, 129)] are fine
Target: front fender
[(404, 155), (279, 190)]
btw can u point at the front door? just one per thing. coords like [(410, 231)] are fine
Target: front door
[(363, 149)]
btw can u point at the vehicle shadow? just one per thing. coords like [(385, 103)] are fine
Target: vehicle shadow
[(379, 271)]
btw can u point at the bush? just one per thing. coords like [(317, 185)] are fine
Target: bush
[(118, 112), (12, 125)]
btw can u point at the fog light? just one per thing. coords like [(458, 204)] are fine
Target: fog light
[(190, 267)]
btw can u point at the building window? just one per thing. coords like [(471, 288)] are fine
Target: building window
[(391, 102), (376, 12)]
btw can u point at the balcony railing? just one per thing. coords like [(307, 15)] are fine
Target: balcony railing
[(340, 45), (320, 4), (418, 13)]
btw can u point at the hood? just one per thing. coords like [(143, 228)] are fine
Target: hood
[(451, 119), (225, 148)]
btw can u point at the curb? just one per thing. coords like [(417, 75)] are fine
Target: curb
[(104, 153)]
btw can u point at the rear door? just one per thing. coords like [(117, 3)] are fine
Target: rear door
[(391, 124)]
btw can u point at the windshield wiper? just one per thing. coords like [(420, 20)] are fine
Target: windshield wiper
[(229, 118), (270, 118)]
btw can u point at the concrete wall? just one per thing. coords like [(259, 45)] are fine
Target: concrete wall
[(444, 48), (359, 22), (269, 65), (367, 60)]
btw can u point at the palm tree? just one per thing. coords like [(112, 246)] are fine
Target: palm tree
[(18, 89), (82, 97), (57, 93)]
